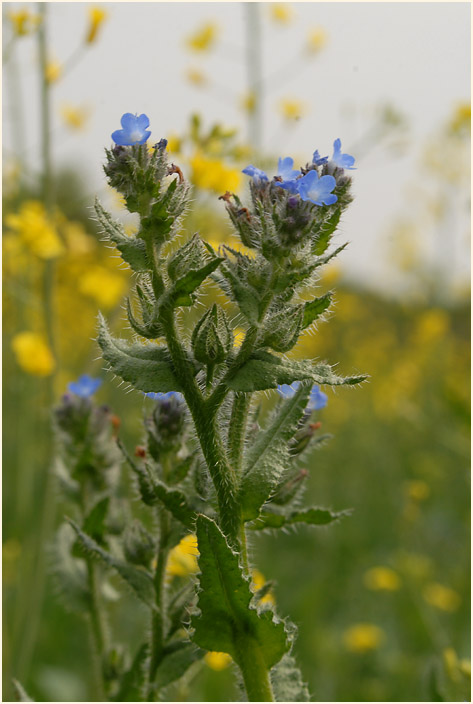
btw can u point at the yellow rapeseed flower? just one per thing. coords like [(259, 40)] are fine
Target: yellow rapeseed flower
[(442, 597), (292, 110), (74, 117), (36, 230), (316, 40), (203, 39), (23, 22), (217, 661), (53, 71), (417, 490), (213, 175), (363, 637), (104, 286), (382, 579), (461, 119), (280, 12), (248, 102), (33, 353), (96, 18), (196, 76), (182, 560), (259, 581), (432, 325), (174, 143)]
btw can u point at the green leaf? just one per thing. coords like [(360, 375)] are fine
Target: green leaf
[(288, 685), (132, 682), (20, 692), (269, 455), (146, 367), (310, 516), (69, 573), (176, 503), (184, 287), (176, 662), (313, 309), (138, 579), (226, 619), (144, 480), (326, 232), (266, 371), (132, 249), (94, 522)]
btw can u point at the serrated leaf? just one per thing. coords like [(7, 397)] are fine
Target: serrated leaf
[(132, 681), (176, 662), (326, 232), (311, 516), (314, 308), (185, 286), (132, 249), (227, 621), (147, 367), (176, 503), (266, 371), (269, 455), (69, 574), (287, 682), (138, 579), (20, 692)]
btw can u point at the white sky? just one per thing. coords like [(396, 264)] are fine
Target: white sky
[(414, 55)]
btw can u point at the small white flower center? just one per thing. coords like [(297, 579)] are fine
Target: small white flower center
[(136, 136)]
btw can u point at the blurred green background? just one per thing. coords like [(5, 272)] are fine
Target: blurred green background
[(381, 598)]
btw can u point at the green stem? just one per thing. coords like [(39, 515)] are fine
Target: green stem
[(253, 668), (98, 628), (158, 624), (237, 429), (244, 550)]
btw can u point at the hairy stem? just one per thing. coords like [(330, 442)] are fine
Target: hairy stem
[(254, 670), (98, 629), (237, 429), (158, 624)]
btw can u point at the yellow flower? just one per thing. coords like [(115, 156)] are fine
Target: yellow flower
[(217, 661), (213, 175), (174, 143), (239, 336), (75, 118), (23, 22), (182, 559), (363, 637), (36, 230), (259, 581), (104, 286), (248, 102), (292, 110), (33, 353), (461, 119), (417, 490), (203, 38), (441, 597), (195, 76), (316, 40), (96, 17), (280, 12), (432, 325), (382, 579), (53, 71)]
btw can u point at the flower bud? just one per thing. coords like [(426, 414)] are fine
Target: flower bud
[(138, 544), (212, 338), (165, 426), (193, 255)]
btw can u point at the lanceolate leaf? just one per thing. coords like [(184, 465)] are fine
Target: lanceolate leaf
[(266, 371), (176, 662), (184, 287), (326, 232), (314, 308), (226, 619), (175, 501), (288, 685), (139, 580), (310, 516), (269, 455), (147, 367), (132, 249)]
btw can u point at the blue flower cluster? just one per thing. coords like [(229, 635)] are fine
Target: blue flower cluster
[(85, 386), (317, 398), (134, 130), (309, 187), (159, 396)]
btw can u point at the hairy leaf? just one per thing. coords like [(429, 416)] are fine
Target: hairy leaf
[(184, 287), (132, 249), (176, 662), (176, 503), (314, 308), (226, 619), (310, 516), (269, 456), (94, 522), (138, 579), (133, 680), (288, 685), (147, 367), (326, 232)]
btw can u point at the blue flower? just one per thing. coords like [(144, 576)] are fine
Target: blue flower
[(344, 161), (317, 190), (288, 175), (317, 399), (287, 391), (134, 130), (85, 386), (319, 160), (159, 396), (258, 175)]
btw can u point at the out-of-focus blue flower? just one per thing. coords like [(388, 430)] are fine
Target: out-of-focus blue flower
[(288, 175), (134, 130), (288, 391), (159, 396), (319, 160), (257, 174), (317, 399), (85, 386), (317, 190), (344, 161)]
